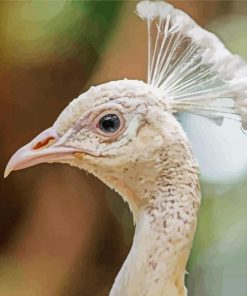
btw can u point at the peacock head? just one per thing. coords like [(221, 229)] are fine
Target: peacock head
[(103, 122), (117, 129), (113, 131)]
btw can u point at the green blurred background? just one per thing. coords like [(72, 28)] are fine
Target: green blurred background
[(63, 232)]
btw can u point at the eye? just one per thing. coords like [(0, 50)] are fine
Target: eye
[(109, 123)]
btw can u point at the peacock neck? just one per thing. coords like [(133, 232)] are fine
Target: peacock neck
[(165, 227)]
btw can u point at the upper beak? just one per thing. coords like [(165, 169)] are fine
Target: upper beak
[(46, 147)]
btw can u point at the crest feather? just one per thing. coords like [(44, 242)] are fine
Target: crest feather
[(192, 66)]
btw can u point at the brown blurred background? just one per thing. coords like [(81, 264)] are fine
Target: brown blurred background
[(62, 232)]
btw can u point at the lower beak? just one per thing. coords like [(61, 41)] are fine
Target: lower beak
[(46, 147)]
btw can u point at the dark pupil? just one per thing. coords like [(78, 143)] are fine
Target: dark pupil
[(109, 123)]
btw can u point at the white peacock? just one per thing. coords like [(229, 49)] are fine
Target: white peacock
[(125, 133)]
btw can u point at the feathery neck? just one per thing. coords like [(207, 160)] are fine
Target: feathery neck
[(167, 198)]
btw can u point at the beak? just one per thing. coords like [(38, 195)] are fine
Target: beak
[(46, 147)]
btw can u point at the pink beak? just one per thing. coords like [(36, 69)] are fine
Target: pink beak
[(46, 147)]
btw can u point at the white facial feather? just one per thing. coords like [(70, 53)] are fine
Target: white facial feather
[(104, 93)]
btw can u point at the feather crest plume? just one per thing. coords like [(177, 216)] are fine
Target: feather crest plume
[(192, 66)]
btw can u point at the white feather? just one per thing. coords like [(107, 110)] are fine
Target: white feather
[(192, 66)]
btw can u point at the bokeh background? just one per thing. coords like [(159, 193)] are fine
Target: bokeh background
[(63, 232)]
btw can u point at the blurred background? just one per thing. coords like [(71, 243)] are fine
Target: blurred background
[(62, 232)]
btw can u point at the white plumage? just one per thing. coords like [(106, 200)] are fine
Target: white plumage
[(124, 132), (191, 65)]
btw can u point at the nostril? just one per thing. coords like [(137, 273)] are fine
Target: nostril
[(43, 143)]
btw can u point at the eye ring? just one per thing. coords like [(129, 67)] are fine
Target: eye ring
[(109, 123)]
